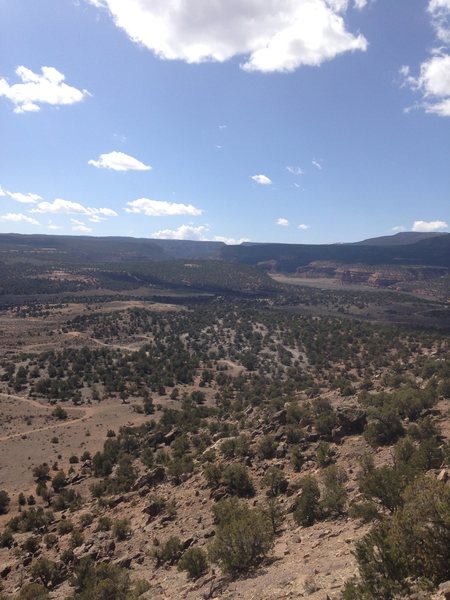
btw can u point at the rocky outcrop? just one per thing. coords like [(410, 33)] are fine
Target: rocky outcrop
[(351, 420), (376, 276), (153, 477)]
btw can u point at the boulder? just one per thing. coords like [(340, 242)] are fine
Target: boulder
[(351, 420), (153, 509), (281, 450), (153, 477), (443, 476), (280, 417), (444, 590), (170, 437), (5, 570)]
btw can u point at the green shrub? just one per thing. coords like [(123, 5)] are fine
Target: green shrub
[(275, 480), (59, 481), (31, 544), (65, 526), (47, 572), (243, 536), (384, 427), (266, 447), (274, 512), (334, 495), (59, 413), (307, 508), (121, 529), (86, 519), (237, 481), (76, 539), (4, 502), (324, 454), (50, 540), (195, 562), (105, 582), (33, 591), (28, 520), (411, 547), (6, 538), (104, 524), (213, 474), (169, 552), (366, 511)]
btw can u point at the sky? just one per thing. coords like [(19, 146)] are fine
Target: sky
[(297, 121)]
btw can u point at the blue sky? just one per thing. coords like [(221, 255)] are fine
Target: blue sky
[(310, 121)]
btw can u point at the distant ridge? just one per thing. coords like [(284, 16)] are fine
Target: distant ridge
[(404, 249), (399, 239)]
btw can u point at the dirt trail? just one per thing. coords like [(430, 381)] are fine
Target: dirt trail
[(88, 412), (80, 334)]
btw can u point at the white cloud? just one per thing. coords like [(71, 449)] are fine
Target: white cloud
[(440, 16), (184, 232), (36, 89), (303, 226), (316, 164), (230, 241), (118, 161), (433, 82), (261, 179), (20, 197), (428, 226), (18, 218), (295, 170), (67, 207), (191, 232), (79, 226), (398, 228), (23, 198), (360, 4), (281, 35), (160, 208), (283, 222)]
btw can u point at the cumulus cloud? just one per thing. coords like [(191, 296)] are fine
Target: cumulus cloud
[(196, 233), (433, 82), (261, 179), (67, 207), (433, 79), (184, 232), (79, 226), (303, 226), (118, 161), (161, 208), (18, 218), (36, 89), (283, 222), (281, 35), (429, 226), (317, 164), (230, 241), (398, 228), (440, 16)]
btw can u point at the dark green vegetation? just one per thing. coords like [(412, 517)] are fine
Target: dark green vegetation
[(265, 409), (39, 264)]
